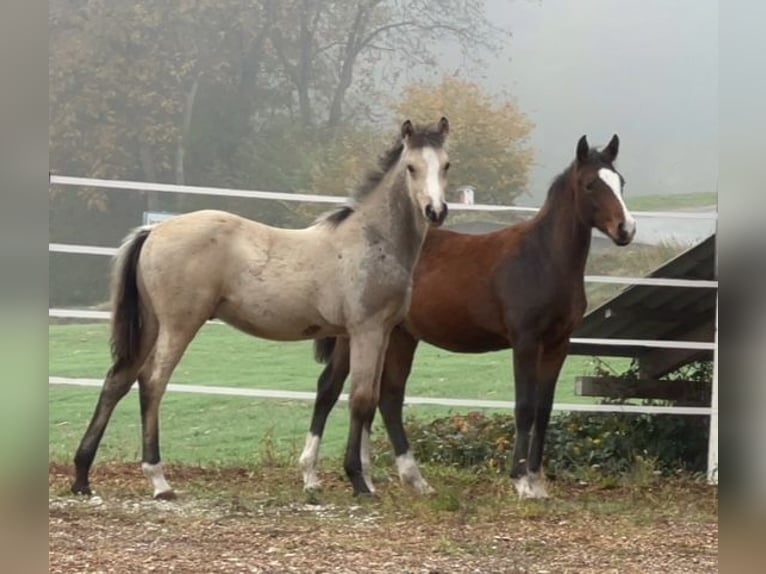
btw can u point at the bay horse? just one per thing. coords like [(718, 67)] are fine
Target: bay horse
[(349, 274), (521, 287)]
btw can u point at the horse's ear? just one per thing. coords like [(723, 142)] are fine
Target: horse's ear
[(407, 130), (612, 149), (443, 126), (582, 149)]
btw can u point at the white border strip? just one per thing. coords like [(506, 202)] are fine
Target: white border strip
[(659, 344), (651, 281), (432, 401), (252, 194)]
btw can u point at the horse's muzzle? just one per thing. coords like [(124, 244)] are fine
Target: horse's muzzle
[(436, 218), (624, 234)]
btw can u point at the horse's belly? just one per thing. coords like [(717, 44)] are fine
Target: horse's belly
[(459, 340), (277, 324)]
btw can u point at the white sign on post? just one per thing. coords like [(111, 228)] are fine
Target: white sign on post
[(152, 217)]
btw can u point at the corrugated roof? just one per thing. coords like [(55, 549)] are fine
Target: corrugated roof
[(653, 312)]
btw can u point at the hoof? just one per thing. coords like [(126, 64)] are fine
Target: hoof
[(365, 496), (81, 490), (419, 487), (426, 490), (165, 495), (312, 486), (312, 497), (530, 487)]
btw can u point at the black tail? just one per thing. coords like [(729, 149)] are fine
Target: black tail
[(323, 349), (126, 313)]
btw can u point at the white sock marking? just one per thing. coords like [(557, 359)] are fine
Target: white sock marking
[(308, 462), (157, 477), (613, 181), (365, 455), (530, 486), (409, 473)]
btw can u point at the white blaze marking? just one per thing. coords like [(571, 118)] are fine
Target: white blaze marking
[(613, 181), (433, 188), (155, 475), (308, 462), (365, 456)]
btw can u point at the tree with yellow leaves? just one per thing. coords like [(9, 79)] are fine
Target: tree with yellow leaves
[(489, 148), (489, 142)]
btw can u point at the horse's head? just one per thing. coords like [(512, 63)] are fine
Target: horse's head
[(426, 163), (599, 186)]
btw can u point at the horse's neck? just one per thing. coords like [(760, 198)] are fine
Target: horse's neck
[(394, 218), (565, 235)]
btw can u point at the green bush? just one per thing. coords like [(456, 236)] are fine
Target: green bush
[(612, 444)]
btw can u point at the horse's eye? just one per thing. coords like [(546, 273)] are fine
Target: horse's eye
[(446, 166), (411, 169)]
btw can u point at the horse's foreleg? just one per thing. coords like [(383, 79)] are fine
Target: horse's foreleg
[(526, 355), (550, 366), (329, 387), (398, 364), (152, 382), (368, 350), (116, 385)]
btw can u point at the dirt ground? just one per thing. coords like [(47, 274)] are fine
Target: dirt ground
[(232, 521)]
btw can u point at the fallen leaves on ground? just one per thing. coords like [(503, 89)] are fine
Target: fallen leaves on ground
[(244, 521)]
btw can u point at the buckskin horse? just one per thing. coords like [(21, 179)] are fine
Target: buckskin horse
[(521, 287), (348, 274)]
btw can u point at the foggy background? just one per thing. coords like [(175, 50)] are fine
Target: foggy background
[(645, 69), (302, 96)]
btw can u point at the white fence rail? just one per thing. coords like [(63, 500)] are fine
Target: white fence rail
[(649, 343), (312, 198), (430, 401), (652, 281)]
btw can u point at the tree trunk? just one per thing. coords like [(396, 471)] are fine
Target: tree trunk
[(184, 135), (346, 74), (153, 202), (304, 67)]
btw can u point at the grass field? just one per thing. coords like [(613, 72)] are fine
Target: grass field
[(667, 202), (230, 430)]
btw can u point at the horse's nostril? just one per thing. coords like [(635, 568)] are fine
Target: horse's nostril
[(430, 213)]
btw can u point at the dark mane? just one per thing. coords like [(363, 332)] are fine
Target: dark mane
[(560, 181), (422, 137)]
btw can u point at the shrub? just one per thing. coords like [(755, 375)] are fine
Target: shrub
[(614, 444)]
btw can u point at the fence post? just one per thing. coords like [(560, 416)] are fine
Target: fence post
[(712, 452)]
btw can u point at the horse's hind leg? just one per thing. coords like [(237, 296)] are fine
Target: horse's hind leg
[(329, 387), (550, 366), (152, 382), (368, 350), (399, 357), (116, 385)]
